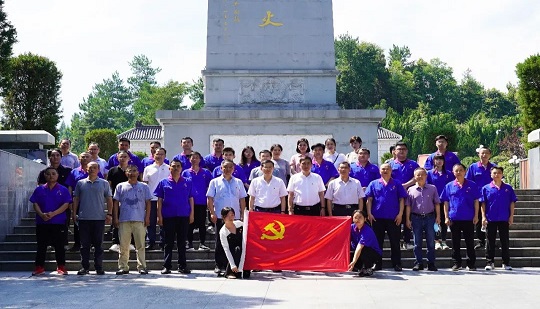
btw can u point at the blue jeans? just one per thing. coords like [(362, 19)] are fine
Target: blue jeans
[(421, 224)]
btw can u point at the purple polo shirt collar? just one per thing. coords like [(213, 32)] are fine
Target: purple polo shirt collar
[(179, 179), (399, 162), (364, 166), (456, 183), (493, 185), (381, 180), (479, 164)]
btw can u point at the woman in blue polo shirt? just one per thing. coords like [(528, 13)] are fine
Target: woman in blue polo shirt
[(365, 245)]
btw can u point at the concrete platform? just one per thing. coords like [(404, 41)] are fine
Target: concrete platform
[(201, 289)]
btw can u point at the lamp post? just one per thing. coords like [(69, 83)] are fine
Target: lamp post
[(515, 162)]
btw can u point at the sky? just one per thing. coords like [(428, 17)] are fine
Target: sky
[(89, 40)]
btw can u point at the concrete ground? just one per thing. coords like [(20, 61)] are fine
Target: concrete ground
[(202, 289)]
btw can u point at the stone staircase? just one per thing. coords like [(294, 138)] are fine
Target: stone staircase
[(17, 251)]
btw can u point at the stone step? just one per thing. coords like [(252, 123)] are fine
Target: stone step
[(528, 197), (532, 218), (527, 204), (527, 211), (527, 192)]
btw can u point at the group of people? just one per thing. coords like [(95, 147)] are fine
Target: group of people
[(191, 191)]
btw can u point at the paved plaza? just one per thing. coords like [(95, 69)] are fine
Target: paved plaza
[(201, 289)]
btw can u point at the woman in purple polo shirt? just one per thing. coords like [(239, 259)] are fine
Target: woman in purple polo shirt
[(50, 203), (248, 161), (365, 245)]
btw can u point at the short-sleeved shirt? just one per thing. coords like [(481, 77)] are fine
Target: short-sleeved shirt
[(92, 197), (150, 160), (133, 160), (200, 181), (238, 173), (282, 169), (422, 200), (450, 159), (386, 196), (479, 174), (352, 157), (344, 193), (116, 175), (102, 165), (365, 174), (257, 172), (335, 158), (211, 161), (76, 175), (153, 174), (306, 188), (364, 236), (70, 160), (497, 201), (249, 167), (175, 195), (403, 171), (226, 193), (460, 199), (50, 200), (439, 179), (132, 199), (186, 163), (326, 170), (63, 173), (267, 194), (295, 161)]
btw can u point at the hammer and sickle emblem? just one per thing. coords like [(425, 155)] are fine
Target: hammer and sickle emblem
[(276, 234)]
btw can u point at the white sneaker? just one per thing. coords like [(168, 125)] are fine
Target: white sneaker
[(409, 246), (489, 266), (115, 248), (211, 230), (131, 247), (203, 248), (506, 267), (438, 245), (444, 246)]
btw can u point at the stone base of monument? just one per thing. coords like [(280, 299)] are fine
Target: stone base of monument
[(262, 128)]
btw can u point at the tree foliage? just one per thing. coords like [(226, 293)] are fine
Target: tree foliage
[(154, 98), (32, 100), (196, 94), (106, 138), (528, 73), (8, 37)]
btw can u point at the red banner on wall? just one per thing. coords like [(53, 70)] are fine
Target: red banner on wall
[(284, 242)]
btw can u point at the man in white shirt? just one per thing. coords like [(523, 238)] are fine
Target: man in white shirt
[(344, 194), (267, 193), (152, 175), (306, 191), (93, 150)]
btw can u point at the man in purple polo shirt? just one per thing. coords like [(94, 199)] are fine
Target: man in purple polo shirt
[(403, 171), (229, 154), (175, 213), (460, 198), (441, 142), (385, 205), (423, 212), (320, 166), (50, 203), (187, 150), (124, 144), (69, 159), (363, 170), (150, 159), (200, 178), (498, 201), (214, 159), (480, 173)]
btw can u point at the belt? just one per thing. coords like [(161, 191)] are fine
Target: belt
[(346, 206), (308, 207), (423, 215), (267, 207)]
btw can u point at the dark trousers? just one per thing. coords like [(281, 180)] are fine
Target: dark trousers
[(504, 236), (199, 222), (407, 232), (467, 227), (367, 258), (274, 210), (50, 234), (221, 258), (91, 232), (314, 210), (343, 210), (389, 226), (481, 236), (237, 255), (175, 228), (75, 230), (151, 229), (444, 228)]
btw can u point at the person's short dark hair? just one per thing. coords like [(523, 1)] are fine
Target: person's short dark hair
[(486, 148), (229, 149), (438, 137), (302, 140), (276, 146), (355, 138), (155, 143), (265, 151), (366, 150), (459, 164), (66, 139), (93, 144), (420, 169), (51, 151), (161, 148), (306, 159), (196, 153), (392, 148), (49, 168), (330, 139), (345, 163), (401, 144), (497, 168), (225, 211), (132, 166), (124, 139), (122, 152), (187, 138), (358, 211), (178, 161), (318, 145), (216, 140), (267, 162), (226, 162), (439, 157)]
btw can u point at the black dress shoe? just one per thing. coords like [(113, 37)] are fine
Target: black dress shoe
[(398, 268), (100, 272), (432, 267), (377, 267), (184, 271), (165, 271), (143, 271), (418, 267), (74, 249), (122, 272)]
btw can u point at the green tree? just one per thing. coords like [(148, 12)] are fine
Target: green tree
[(363, 78), (528, 73), (8, 37), (402, 55), (498, 104), (196, 94), (143, 74), (402, 93), (154, 98), (32, 100), (471, 97), (106, 138)]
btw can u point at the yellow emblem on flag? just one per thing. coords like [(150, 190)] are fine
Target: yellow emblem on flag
[(276, 234)]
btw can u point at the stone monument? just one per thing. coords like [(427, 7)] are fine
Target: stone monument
[(270, 77)]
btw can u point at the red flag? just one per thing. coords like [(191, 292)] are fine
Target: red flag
[(284, 242)]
